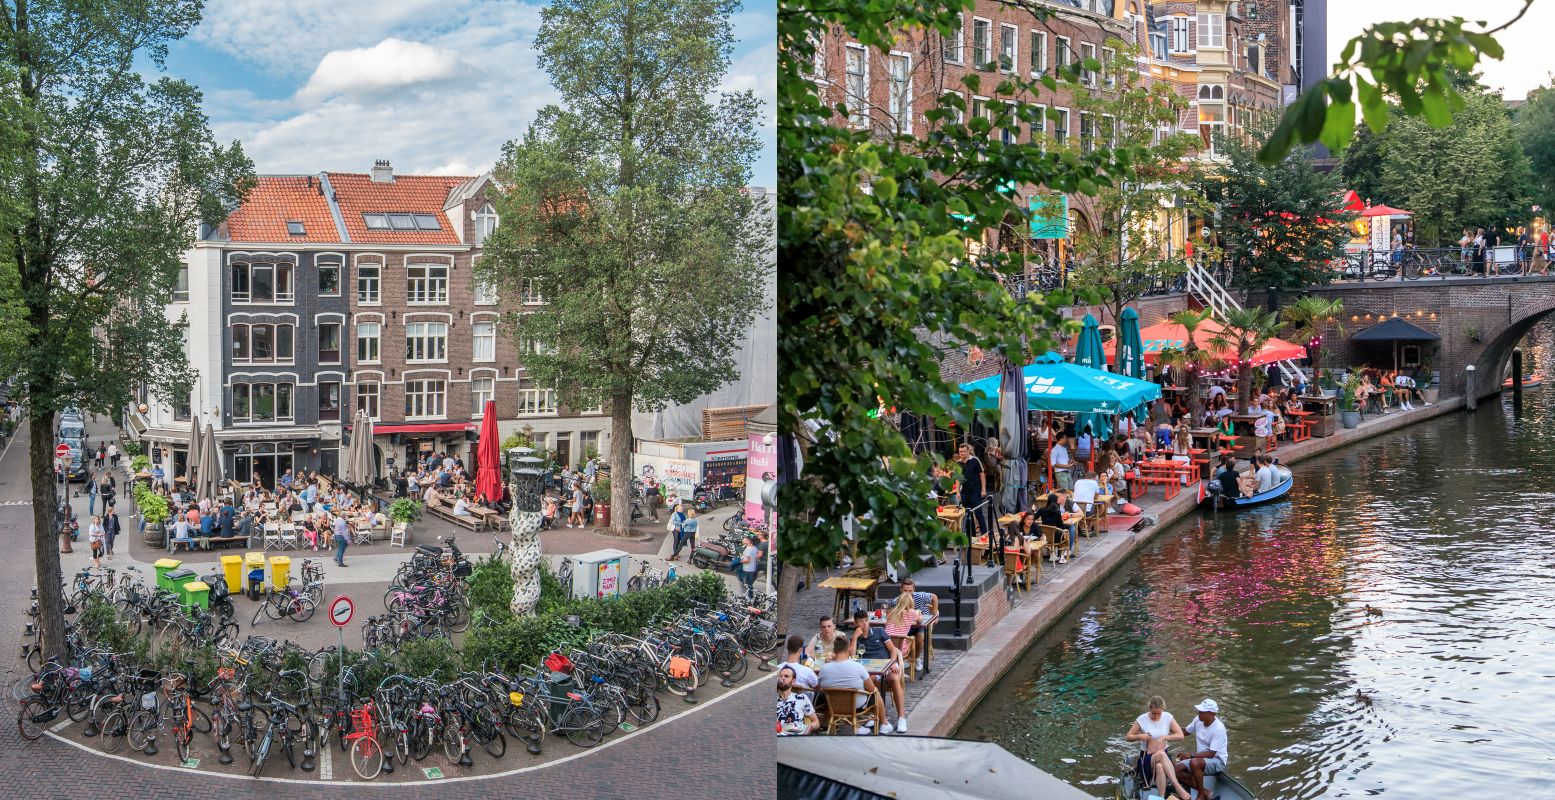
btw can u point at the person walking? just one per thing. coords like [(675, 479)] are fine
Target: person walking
[(102, 455), (1478, 243), (342, 539), (677, 522), (110, 528), (688, 528), (575, 517), (91, 495), (113, 455), (95, 537), (750, 559)]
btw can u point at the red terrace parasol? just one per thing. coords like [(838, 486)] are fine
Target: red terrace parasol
[(1352, 201), (1385, 211), (488, 456), (1156, 338)]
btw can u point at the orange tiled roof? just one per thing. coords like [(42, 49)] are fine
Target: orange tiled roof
[(356, 195), (274, 201)]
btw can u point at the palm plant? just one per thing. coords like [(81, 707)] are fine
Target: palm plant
[(1306, 319), (1191, 359), (1246, 330)]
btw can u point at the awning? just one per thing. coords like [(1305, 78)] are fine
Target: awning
[(1156, 338), (425, 427), (1384, 211), (1053, 384), (1395, 330), (228, 436)]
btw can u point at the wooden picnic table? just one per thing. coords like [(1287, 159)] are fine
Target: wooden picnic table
[(847, 588), (1165, 473)]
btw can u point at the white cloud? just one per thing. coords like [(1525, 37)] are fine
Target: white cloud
[(390, 64)]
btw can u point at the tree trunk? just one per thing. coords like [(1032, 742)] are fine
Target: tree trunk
[(787, 588), (1191, 384), (621, 464), (1244, 387), (45, 534)]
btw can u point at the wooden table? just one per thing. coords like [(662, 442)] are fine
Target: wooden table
[(846, 589), (1165, 473)]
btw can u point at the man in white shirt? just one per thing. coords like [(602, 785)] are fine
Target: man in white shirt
[(842, 672), (804, 678), (1059, 459), (1267, 476), (1085, 491), (1209, 735)]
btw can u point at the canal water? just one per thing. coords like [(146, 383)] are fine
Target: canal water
[(1447, 528)]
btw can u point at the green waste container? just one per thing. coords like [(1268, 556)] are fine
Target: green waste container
[(195, 593), (232, 573), (163, 566)]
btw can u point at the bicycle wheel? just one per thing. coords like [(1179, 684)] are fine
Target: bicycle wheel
[(181, 740), (494, 743), (679, 686), (35, 659), (646, 709), (458, 616), (78, 702), (452, 731), (262, 612), (34, 718), (301, 608), (634, 584), (113, 729), (142, 727), (260, 755), (1411, 269), (202, 721), (612, 712), (420, 735), (525, 723), (582, 725), (366, 757)]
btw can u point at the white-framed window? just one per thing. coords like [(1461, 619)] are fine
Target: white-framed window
[(367, 277), (1158, 46), (368, 339), (426, 342), (1087, 131), (329, 401), (484, 339), (1039, 127), (426, 399), (1087, 52), (982, 43), (1038, 53), (534, 401), (1009, 46), (329, 342), (1108, 77), (181, 289), (262, 343), (426, 284), (1212, 30), (481, 390), (1108, 132), (1063, 51), (530, 346), (952, 43), (485, 223), (367, 398), (532, 295), (1061, 125), (1010, 131), (857, 85), (262, 282), (1180, 35), (899, 103), (262, 402), (329, 275)]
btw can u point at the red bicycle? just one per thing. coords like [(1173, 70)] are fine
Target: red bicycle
[(366, 752)]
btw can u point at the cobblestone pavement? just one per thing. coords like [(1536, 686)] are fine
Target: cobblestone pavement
[(721, 748)]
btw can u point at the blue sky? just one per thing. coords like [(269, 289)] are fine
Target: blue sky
[(435, 86)]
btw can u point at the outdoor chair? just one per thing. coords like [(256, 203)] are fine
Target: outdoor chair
[(841, 709), (363, 534), (397, 536), (1015, 568), (1057, 539), (272, 536)]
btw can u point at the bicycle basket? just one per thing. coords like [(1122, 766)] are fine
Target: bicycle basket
[(226, 673), (362, 719), (463, 570), (680, 667), (556, 662), (148, 701)]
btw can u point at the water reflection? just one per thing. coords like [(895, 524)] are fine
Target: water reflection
[(1446, 528)]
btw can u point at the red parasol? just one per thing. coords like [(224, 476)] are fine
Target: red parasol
[(1169, 334), (488, 456), (1352, 201), (1385, 211)]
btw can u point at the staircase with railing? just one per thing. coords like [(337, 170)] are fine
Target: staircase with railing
[(1213, 296)]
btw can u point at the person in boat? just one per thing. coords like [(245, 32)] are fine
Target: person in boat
[(1157, 729), (1227, 477), (1268, 476), (1247, 480), (1209, 735)]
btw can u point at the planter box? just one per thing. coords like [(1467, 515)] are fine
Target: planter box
[(1247, 442), (153, 536), (1350, 419)]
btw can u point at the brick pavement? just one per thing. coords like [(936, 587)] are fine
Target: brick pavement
[(720, 749)]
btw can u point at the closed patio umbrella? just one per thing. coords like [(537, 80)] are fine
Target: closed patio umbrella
[(1131, 355), (210, 464), (488, 456), (362, 440), (1012, 436), (347, 462), (196, 451)]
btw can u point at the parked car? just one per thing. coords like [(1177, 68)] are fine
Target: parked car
[(73, 431)]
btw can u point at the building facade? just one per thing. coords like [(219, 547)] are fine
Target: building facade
[(331, 293)]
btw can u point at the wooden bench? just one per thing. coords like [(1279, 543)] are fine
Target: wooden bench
[(471, 522), (213, 542)]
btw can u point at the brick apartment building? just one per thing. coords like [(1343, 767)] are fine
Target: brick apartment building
[(336, 292), (1233, 62)]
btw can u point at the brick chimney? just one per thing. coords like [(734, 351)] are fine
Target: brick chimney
[(382, 172)]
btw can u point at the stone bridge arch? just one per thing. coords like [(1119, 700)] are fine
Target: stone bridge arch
[(1480, 320)]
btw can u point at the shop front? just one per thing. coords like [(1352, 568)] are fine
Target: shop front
[(682, 466)]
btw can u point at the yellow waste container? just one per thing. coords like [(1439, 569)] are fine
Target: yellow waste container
[(232, 573), (254, 573), (280, 571), (164, 566)]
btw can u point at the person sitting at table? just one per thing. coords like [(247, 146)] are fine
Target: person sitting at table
[(1179, 408), (1085, 491), (310, 532), (842, 672), (927, 606), (181, 532), (462, 507), (793, 658), (1386, 391), (872, 642), (1051, 515), (819, 648), (795, 712), (899, 622)]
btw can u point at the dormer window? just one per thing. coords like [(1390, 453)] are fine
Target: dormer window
[(485, 223), (295, 228)]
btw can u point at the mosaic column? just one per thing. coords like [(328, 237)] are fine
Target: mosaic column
[(525, 487)]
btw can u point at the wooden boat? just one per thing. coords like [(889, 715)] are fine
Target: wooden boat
[(1211, 498), (1531, 382), (1221, 787)]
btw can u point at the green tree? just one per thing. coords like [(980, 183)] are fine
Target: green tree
[(1244, 333), (1306, 318), (1191, 358), (112, 177), (628, 207), (1128, 251), (1282, 223), (1535, 128)]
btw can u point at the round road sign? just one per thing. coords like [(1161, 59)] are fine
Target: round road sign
[(62, 450), (340, 611)]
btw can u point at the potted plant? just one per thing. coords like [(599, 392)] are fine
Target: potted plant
[(406, 510), (154, 512), (601, 493), (1349, 411)]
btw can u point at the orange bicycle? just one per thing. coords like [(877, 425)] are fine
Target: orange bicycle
[(366, 752)]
